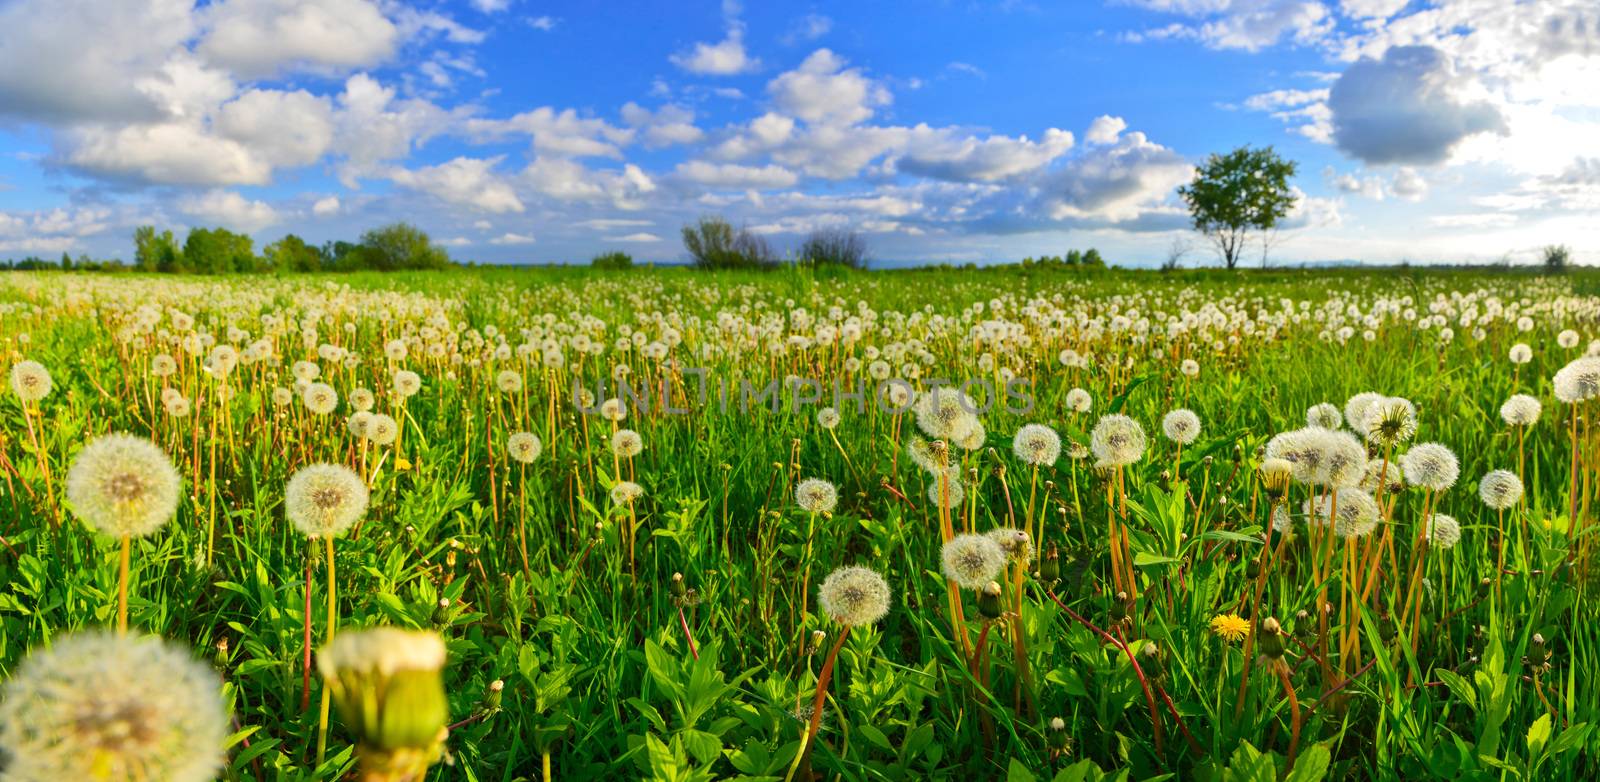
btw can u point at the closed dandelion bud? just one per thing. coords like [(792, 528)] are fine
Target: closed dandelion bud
[(1050, 567), (679, 590), (1303, 624), (492, 697), (1252, 569), (389, 688), (1119, 607), (1058, 737), (1275, 476), (1153, 662), (989, 602), (817, 638), (1484, 585), (441, 612), (1271, 640)]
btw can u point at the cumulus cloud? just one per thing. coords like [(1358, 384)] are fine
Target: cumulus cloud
[(469, 182), (732, 175), (1406, 108), (666, 126), (1105, 129), (326, 206), (822, 89), (168, 153), (1250, 25), (510, 238), (230, 210), (556, 132), (261, 38), (969, 159), (807, 28), (1115, 183), (282, 128), (564, 179), (724, 58)]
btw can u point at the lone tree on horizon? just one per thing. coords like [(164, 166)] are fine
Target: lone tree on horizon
[(1235, 194)]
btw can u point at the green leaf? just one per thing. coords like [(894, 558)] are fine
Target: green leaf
[(1017, 772), (1311, 766), (1538, 734), (1146, 559)]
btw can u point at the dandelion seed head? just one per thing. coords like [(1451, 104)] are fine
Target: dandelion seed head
[(1017, 545), (320, 398), (1355, 409), (1500, 489), (1431, 466), (509, 381), (626, 492), (324, 500), (626, 443), (1567, 339), (972, 560), (1354, 513), (1442, 531), (1117, 440), (1521, 353), (948, 493), (407, 383), (1521, 410), (99, 707), (613, 409), (362, 399), (827, 418), (815, 495), (30, 381), (1181, 426), (1389, 420), (524, 447), (945, 414), (1079, 401), (382, 429), (123, 485), (854, 596), (1036, 445), (1189, 368), (1578, 381), (1324, 415)]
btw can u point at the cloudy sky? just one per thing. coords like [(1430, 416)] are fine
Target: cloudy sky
[(532, 131)]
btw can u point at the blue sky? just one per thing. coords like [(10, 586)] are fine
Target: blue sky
[(523, 131)]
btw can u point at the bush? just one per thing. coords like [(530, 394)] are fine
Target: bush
[(1556, 258), (834, 247), (612, 260), (713, 243)]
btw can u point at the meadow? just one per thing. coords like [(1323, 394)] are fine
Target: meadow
[(1269, 526)]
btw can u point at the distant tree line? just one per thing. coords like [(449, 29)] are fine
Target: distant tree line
[(219, 251), (714, 243)]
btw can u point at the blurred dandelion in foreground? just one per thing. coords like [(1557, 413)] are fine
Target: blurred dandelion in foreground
[(123, 486), (324, 500), (1231, 628), (972, 560), (389, 688), (1324, 415), (854, 596), (96, 707), (815, 495), (524, 447)]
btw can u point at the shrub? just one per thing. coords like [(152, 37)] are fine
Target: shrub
[(615, 259), (834, 247), (713, 243), (1556, 258)]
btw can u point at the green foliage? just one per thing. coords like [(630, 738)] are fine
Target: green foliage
[(1234, 195), (1555, 258), (218, 251), (155, 252), (613, 260), (401, 246), (834, 247), (713, 243), (291, 254)]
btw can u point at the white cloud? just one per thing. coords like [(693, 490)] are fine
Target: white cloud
[(509, 238), (1250, 25), (545, 23), (374, 127), (168, 154), (968, 159), (260, 38), (1406, 108), (463, 181), (230, 210), (671, 124), (326, 206), (52, 231), (491, 6), (724, 58), (807, 28), (610, 223), (732, 175), (640, 237), (823, 90), (568, 180), (1372, 9), (1105, 129), (555, 132), (282, 128), (1115, 183), (1409, 184)]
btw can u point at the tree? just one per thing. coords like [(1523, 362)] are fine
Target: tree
[(155, 252), (1092, 259), (714, 243), (219, 251), (1556, 257), (291, 254), (1233, 195), (834, 246), (402, 246)]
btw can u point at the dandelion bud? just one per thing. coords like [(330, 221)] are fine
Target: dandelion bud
[(817, 638), (492, 696), (389, 689), (441, 612), (1252, 569), (678, 589), (1050, 567), (1271, 640), (989, 602), (1058, 737), (1275, 476), (1119, 607)]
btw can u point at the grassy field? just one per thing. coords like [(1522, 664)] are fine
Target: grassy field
[(648, 588)]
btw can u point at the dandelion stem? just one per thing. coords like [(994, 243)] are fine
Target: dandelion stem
[(122, 585)]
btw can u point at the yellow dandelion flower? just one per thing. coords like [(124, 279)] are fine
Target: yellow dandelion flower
[(1230, 627)]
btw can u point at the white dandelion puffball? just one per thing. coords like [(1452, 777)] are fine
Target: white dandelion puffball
[(382, 429), (281, 397), (1079, 401), (1324, 415), (30, 381), (320, 398), (162, 365), (1190, 368), (1521, 353), (1355, 512), (1344, 458), (1389, 420), (395, 350), (323, 500), (945, 414), (509, 381), (1500, 489), (854, 596), (362, 399), (625, 492), (99, 707), (613, 410), (948, 493), (626, 443), (524, 447), (357, 423), (1442, 531), (1117, 440), (815, 495), (1430, 466), (407, 383), (1567, 339), (1037, 445), (1355, 409), (1521, 410), (827, 418), (1382, 476), (1181, 426), (972, 560), (123, 485), (1578, 381)]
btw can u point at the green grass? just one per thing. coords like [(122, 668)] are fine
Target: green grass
[(598, 672)]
